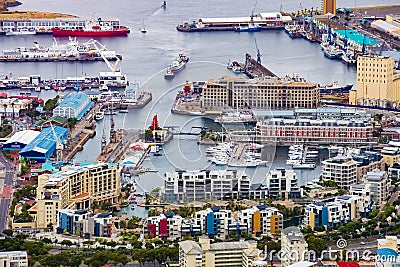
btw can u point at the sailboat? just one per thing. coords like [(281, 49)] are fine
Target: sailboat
[(143, 30)]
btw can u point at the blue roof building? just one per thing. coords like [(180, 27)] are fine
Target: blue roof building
[(44, 145), (20, 139), (75, 105)]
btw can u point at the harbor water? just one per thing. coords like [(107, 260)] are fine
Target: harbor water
[(145, 56)]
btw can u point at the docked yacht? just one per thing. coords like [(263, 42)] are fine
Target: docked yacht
[(99, 115)]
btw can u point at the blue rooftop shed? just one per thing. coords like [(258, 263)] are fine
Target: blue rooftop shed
[(44, 145), (74, 105)]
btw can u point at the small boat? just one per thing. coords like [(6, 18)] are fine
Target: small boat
[(37, 89), (157, 154), (132, 207), (169, 74), (99, 115), (123, 111), (303, 166), (143, 30), (21, 32), (251, 27), (235, 66), (104, 87)]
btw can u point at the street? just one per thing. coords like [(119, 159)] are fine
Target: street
[(6, 193)]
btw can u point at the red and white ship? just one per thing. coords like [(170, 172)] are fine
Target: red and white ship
[(93, 29)]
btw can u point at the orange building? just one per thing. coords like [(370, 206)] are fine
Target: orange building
[(329, 6)]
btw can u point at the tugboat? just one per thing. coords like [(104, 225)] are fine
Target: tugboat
[(177, 65)]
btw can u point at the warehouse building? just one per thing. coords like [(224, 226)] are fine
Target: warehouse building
[(44, 145), (20, 140), (74, 105)]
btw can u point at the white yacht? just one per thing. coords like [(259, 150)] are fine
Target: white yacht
[(99, 115)]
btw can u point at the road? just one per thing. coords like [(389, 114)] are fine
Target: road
[(6, 193)]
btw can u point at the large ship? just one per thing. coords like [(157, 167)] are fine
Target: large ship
[(263, 21), (177, 65), (72, 50), (335, 88), (94, 31), (45, 26)]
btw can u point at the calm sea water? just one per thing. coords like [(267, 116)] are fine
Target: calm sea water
[(146, 55)]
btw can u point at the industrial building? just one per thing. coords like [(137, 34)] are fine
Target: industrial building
[(378, 83), (75, 105), (44, 145), (261, 93), (20, 140), (328, 6)]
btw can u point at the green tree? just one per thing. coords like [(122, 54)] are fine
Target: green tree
[(316, 244)]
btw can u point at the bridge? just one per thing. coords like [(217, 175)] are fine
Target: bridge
[(194, 130)]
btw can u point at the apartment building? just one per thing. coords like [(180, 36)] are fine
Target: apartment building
[(232, 254), (326, 131), (215, 222), (167, 225), (81, 223), (74, 187), (379, 185), (332, 214), (378, 83), (293, 246), (14, 259), (282, 183), (341, 169), (261, 93), (261, 220), (205, 185)]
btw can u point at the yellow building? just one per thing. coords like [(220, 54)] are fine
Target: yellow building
[(75, 187), (205, 254), (260, 93), (328, 6), (377, 82)]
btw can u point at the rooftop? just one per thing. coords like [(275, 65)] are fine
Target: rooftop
[(23, 137), (190, 247), (74, 100)]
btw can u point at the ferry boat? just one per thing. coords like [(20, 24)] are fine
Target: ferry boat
[(99, 115)]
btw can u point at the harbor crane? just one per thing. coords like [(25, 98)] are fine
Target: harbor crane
[(258, 52), (99, 49), (59, 145), (252, 12)]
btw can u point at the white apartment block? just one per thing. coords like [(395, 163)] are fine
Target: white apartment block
[(282, 183), (341, 169), (14, 259), (232, 254), (379, 185), (205, 185), (261, 220), (293, 246)]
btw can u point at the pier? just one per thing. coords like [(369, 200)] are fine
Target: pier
[(254, 69)]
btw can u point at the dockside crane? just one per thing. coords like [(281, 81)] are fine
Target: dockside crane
[(99, 49), (252, 12), (59, 145), (258, 52)]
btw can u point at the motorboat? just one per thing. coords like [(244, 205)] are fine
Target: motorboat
[(21, 32), (303, 166), (169, 74), (99, 115), (123, 111)]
